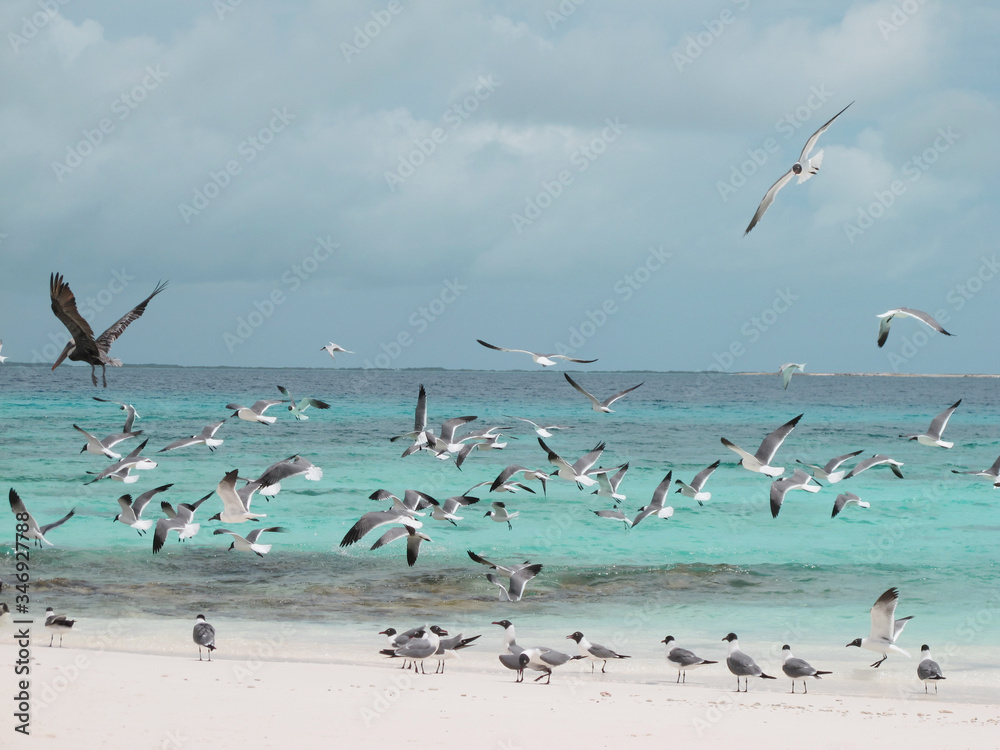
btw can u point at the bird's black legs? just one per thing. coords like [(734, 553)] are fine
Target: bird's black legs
[(879, 662)]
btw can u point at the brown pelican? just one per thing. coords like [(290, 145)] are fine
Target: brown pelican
[(83, 347)]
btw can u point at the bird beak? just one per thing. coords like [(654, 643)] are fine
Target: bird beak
[(62, 356)]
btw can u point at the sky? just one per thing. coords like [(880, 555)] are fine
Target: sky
[(567, 176)]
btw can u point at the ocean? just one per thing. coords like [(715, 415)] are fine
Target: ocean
[(728, 565)]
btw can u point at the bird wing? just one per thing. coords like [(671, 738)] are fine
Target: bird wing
[(616, 515), (737, 450), (208, 431), (554, 458), (769, 199), (941, 420), (449, 426), (140, 503), (610, 400), (661, 491), (254, 535), (182, 443), (501, 349), (924, 318), (106, 339), (589, 459), (883, 612), (64, 307), (49, 526), (506, 474), (259, 407), (376, 518), (413, 546), (231, 501), (420, 415), (582, 389), (833, 463), (772, 442), (702, 476), (313, 402), (396, 532), (570, 359), (520, 579), (815, 136)]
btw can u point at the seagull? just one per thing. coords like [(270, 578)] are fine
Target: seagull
[(509, 643), (933, 434), (885, 629), (682, 658), (206, 437), (601, 406), (615, 515), (444, 443), (422, 646), (928, 670), (595, 651), (412, 503), (539, 429), (805, 168), (519, 576), (608, 486), (905, 312), (742, 665), (413, 540), (235, 509), (446, 512), (249, 543), (656, 504), (829, 473), (544, 659), (517, 662), (297, 408), (131, 514), (577, 471), (130, 413), (419, 422), (788, 369), (2, 359), (103, 447), (34, 531), (797, 481), (847, 498), (256, 412), (504, 476), (545, 360), (991, 473), (694, 490), (179, 521), (57, 624), (293, 466), (760, 461), (798, 669), (82, 346), (500, 514), (448, 648), (204, 635), (132, 461), (332, 347), (877, 460), (377, 518)]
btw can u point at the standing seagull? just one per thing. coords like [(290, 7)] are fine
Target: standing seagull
[(928, 670), (694, 490), (595, 651), (804, 168), (332, 347), (34, 531), (760, 461), (82, 346), (204, 635), (545, 360), (297, 408), (788, 369), (57, 624), (601, 406), (885, 629), (797, 481), (905, 312), (742, 665), (829, 472), (798, 669), (934, 432), (682, 658)]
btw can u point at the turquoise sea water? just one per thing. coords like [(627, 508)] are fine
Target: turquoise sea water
[(728, 565)]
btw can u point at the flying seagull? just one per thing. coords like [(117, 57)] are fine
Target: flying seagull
[(131, 514), (103, 446), (885, 629), (413, 540), (130, 413), (256, 412), (132, 461), (607, 486), (332, 347), (2, 359), (656, 506), (519, 576), (296, 408), (797, 481), (829, 472), (82, 346), (577, 471), (905, 312), (847, 498), (249, 543), (991, 473), (235, 507), (544, 360), (34, 531), (694, 490), (804, 168), (877, 460), (206, 437), (179, 520), (760, 461), (934, 432), (540, 430), (601, 406), (788, 369)]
